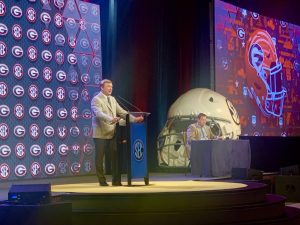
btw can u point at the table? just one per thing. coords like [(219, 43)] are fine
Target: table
[(216, 158)]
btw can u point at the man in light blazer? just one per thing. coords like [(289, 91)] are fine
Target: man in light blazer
[(106, 114), (198, 131)]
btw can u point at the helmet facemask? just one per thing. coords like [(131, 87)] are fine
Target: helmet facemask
[(267, 88)]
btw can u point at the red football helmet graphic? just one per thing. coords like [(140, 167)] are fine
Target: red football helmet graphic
[(264, 73)]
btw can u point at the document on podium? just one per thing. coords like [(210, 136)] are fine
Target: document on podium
[(216, 158)]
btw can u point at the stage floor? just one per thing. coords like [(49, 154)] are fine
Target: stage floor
[(153, 187), (167, 197), (158, 182)]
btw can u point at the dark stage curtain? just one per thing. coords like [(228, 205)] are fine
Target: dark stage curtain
[(154, 51)]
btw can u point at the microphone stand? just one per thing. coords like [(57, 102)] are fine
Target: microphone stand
[(130, 103)]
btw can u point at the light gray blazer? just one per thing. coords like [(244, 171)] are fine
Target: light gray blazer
[(193, 133), (103, 114)]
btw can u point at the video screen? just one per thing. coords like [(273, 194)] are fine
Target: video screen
[(257, 66)]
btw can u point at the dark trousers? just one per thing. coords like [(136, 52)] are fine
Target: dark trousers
[(102, 147)]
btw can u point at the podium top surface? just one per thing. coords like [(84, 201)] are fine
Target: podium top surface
[(145, 114)]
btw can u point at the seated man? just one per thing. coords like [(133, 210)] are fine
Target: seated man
[(198, 131)]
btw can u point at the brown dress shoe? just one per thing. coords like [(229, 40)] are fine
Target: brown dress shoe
[(103, 183), (117, 184)]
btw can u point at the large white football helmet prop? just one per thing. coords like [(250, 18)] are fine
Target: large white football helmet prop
[(222, 118)]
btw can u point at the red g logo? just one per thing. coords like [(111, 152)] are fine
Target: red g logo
[(33, 73), (49, 131), (5, 151), (59, 39), (47, 93), (4, 111), (17, 51), (59, 3), (50, 169), (19, 131), (18, 91), (34, 112), (75, 167), (16, 12), (46, 56), (63, 149), (61, 75), (3, 29), (35, 150), (95, 27), (4, 70), (32, 34), (20, 170), (72, 59), (88, 149), (45, 17), (62, 113)]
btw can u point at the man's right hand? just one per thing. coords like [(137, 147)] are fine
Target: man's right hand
[(115, 119)]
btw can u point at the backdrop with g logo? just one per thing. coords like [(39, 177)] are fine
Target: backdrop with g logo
[(50, 68)]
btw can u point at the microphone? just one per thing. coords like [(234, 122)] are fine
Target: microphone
[(139, 113), (122, 122), (123, 106), (130, 103)]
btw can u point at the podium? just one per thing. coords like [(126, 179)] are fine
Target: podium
[(136, 147), (216, 158)]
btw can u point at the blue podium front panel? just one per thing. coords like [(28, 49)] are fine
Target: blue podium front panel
[(138, 150)]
